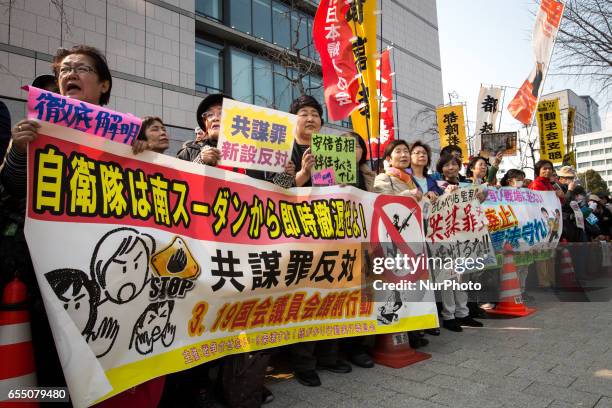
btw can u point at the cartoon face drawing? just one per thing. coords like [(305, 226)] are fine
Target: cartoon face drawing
[(78, 294), (153, 325), (120, 264)]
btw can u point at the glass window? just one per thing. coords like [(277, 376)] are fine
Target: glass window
[(240, 15), (282, 89), (608, 161), (316, 85), (281, 25), (581, 144), (595, 141), (264, 82), (210, 8), (262, 19), (209, 66), (597, 151), (583, 154), (609, 150), (242, 76), (598, 162), (608, 140)]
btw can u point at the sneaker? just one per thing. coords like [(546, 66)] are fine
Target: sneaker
[(452, 325), (340, 367), (469, 321), (309, 378)]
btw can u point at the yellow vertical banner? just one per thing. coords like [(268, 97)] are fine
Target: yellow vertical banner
[(451, 126), (362, 20), (551, 131), (571, 114)]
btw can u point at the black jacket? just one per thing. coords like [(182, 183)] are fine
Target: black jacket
[(190, 150)]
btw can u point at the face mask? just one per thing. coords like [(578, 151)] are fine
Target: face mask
[(518, 184)]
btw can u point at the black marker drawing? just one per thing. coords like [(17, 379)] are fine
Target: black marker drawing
[(153, 325)]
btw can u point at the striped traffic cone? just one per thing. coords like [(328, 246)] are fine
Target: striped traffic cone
[(567, 278), (17, 370), (511, 301)]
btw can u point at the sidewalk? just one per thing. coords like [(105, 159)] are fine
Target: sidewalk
[(559, 357)]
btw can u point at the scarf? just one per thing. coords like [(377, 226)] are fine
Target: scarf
[(403, 176)]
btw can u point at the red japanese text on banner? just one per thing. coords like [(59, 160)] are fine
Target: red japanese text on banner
[(385, 91), (332, 38)]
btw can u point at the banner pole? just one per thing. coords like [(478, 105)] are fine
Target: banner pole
[(501, 111), (379, 83)]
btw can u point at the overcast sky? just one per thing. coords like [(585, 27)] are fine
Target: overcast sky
[(489, 42)]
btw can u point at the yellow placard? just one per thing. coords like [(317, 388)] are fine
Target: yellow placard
[(254, 137), (451, 126), (551, 131), (362, 20)]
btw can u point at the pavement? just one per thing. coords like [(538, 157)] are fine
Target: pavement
[(558, 357)]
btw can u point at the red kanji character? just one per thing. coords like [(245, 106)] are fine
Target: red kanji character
[(326, 305), (242, 316), (294, 307), (278, 310), (310, 307), (260, 314), (435, 229)]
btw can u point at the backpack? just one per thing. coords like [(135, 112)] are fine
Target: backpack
[(242, 377)]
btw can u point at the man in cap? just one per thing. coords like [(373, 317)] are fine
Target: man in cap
[(567, 182), (191, 149)]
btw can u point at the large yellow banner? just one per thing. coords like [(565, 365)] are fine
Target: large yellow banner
[(451, 126), (551, 131), (362, 20)]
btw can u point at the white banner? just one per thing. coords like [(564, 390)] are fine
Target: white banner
[(489, 104)]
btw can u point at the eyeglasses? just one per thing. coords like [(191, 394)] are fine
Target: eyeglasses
[(211, 114), (81, 70)]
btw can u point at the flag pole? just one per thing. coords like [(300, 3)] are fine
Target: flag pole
[(379, 84)]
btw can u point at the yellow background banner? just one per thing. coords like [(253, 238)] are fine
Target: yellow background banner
[(551, 131), (451, 126)]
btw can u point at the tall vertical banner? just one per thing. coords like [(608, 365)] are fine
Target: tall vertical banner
[(486, 116), (551, 131), (523, 105), (385, 92), (451, 126), (571, 115), (332, 38), (362, 20)]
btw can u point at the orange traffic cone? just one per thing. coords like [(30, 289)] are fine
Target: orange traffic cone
[(567, 278), (17, 370), (511, 301), (393, 350)]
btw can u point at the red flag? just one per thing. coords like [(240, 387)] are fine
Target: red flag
[(332, 38), (384, 80), (523, 104)]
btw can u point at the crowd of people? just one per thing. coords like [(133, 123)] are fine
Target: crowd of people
[(82, 73)]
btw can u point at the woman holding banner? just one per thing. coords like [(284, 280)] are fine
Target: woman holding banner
[(397, 180), (543, 170), (455, 312)]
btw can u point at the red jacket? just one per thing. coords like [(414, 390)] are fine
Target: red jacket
[(541, 184)]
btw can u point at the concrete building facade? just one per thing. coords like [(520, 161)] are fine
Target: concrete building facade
[(166, 55), (587, 118)]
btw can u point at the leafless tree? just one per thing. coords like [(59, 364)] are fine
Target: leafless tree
[(295, 62), (584, 42)]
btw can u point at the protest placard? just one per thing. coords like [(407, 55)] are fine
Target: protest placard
[(506, 142), (254, 137), (83, 116), (336, 153)]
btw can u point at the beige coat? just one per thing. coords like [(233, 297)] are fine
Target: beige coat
[(391, 185)]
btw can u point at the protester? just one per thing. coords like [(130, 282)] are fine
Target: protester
[(420, 158), (571, 232), (5, 129), (479, 172), (191, 149), (153, 131), (515, 178), (308, 356), (46, 82), (543, 171), (452, 150), (396, 180), (354, 346), (455, 312)]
